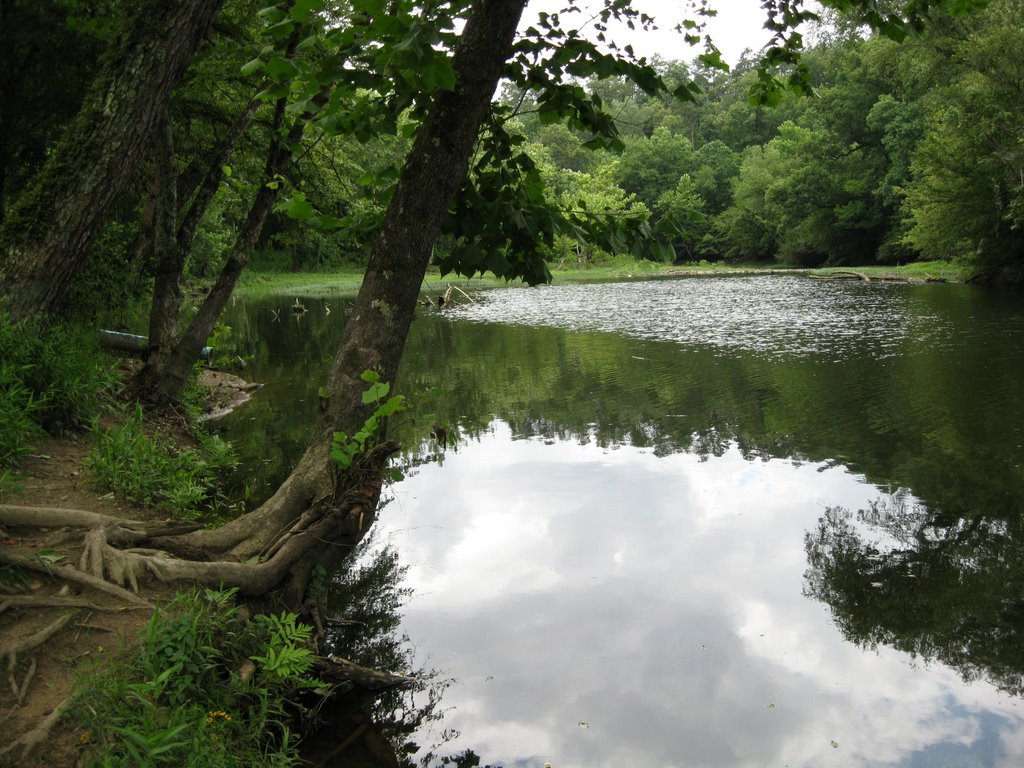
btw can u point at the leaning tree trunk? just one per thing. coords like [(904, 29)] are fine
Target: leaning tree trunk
[(171, 248), (163, 316), (46, 237), (162, 380), (375, 334)]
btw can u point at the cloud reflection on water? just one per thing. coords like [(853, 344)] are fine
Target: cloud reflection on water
[(658, 600)]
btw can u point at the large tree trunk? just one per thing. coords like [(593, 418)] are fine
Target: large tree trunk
[(375, 334), (46, 237)]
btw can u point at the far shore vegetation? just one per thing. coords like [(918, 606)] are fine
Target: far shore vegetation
[(347, 281)]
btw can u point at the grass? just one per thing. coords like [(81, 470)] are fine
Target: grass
[(54, 381), (152, 471), (177, 698)]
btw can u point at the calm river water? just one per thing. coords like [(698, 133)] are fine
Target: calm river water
[(747, 521)]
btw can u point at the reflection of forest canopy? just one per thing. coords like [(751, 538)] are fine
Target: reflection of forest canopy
[(948, 589), (904, 421)]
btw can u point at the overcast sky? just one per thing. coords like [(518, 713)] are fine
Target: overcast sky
[(739, 25)]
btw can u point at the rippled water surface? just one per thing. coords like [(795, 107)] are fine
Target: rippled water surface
[(795, 316), (704, 522)]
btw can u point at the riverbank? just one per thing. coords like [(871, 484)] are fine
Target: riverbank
[(63, 623), (347, 282)]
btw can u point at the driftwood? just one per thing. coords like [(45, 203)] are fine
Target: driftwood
[(336, 670), (844, 274)]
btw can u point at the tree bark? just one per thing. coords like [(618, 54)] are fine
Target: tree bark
[(171, 248), (163, 315), (163, 380), (46, 237)]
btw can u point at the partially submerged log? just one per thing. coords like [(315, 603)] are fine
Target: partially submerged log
[(336, 670), (137, 345)]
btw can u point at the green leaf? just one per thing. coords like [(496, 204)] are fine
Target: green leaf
[(253, 66), (392, 406), (301, 9), (281, 69), (296, 207), (377, 391), (272, 14)]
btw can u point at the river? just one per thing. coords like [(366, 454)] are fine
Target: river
[(737, 521)]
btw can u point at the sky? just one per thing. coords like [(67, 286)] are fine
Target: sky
[(738, 25)]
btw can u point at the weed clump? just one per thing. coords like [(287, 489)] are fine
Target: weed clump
[(183, 697), (151, 471), (52, 381)]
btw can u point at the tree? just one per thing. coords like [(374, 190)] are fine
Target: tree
[(966, 198), (320, 503), (48, 234), (939, 592)]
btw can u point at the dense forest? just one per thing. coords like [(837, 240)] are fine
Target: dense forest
[(897, 151)]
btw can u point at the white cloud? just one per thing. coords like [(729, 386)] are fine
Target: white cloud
[(659, 601)]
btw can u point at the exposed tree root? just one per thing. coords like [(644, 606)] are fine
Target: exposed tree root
[(266, 547), (20, 691), (37, 735), (34, 601), (69, 573), (129, 531), (34, 640)]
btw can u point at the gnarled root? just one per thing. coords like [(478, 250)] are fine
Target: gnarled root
[(37, 735), (339, 517)]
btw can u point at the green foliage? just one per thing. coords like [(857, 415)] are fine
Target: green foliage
[(285, 657), (966, 197), (54, 381), (345, 449), (62, 367), (179, 700), (17, 426), (150, 470)]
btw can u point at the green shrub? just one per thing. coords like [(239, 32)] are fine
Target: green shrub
[(63, 368), (153, 472), (179, 700), (55, 381)]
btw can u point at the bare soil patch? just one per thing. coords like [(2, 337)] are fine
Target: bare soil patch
[(81, 627)]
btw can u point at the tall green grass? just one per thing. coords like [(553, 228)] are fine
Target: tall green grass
[(143, 467), (52, 381)]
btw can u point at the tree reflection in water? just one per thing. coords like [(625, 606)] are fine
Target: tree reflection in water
[(934, 585), (376, 729)]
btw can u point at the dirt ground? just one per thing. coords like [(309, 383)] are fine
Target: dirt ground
[(39, 680)]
